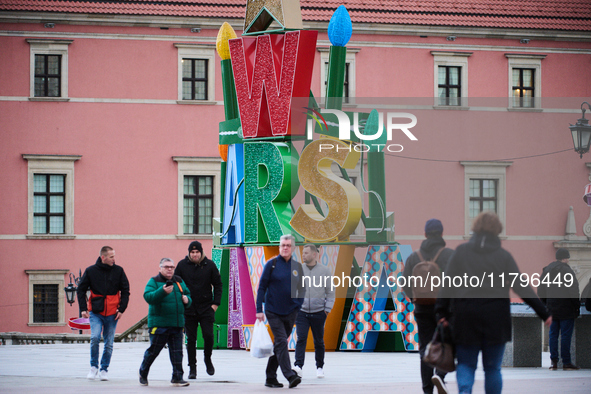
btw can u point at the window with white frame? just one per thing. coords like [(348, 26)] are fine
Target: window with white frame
[(46, 297), (450, 78), (196, 73), (484, 190), (50, 196), (198, 197), (525, 80), (48, 69), (349, 84)]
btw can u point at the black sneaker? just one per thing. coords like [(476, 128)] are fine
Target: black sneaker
[(273, 383), (440, 384), (570, 367), (193, 373), (294, 381), (209, 366), (179, 383), (143, 380), (554, 365)]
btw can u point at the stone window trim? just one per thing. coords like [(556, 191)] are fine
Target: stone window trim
[(42, 277), (49, 47), (525, 60), (486, 170), (453, 59), (197, 51), (351, 54), (197, 166), (52, 164)]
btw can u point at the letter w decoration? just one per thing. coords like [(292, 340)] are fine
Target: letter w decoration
[(270, 70)]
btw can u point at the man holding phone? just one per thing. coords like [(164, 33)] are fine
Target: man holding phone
[(168, 296)]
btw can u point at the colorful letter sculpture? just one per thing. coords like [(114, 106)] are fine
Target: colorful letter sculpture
[(368, 317), (265, 88), (242, 308), (342, 198), (233, 223), (269, 169)]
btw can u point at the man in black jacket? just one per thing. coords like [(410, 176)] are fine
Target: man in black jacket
[(563, 302), (109, 296), (425, 313), (201, 275)]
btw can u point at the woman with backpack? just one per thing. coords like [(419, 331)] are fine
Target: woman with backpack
[(480, 316)]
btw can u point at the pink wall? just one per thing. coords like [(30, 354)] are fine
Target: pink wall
[(126, 181)]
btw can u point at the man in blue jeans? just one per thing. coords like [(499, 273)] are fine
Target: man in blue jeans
[(280, 288), (109, 296), (564, 305), (317, 304)]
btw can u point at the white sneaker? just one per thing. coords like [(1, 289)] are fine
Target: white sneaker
[(438, 382), (93, 373), (103, 375), (320, 373), (298, 370)]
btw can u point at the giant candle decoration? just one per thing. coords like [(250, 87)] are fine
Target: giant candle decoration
[(339, 33)]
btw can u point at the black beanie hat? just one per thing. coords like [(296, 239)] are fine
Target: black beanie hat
[(562, 254), (196, 245)]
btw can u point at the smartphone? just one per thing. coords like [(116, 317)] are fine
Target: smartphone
[(169, 283)]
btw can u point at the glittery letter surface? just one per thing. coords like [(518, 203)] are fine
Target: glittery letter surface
[(268, 172), (268, 71), (342, 198)]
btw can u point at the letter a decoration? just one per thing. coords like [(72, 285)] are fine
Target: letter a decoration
[(368, 317)]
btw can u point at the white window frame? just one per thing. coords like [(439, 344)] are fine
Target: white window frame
[(486, 170), (520, 60), (52, 164), (47, 277), (49, 47), (198, 166), (350, 58), (452, 59), (197, 51)]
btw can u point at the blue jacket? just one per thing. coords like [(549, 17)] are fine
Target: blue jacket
[(281, 287)]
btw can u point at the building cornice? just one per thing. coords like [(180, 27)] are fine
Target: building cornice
[(238, 24)]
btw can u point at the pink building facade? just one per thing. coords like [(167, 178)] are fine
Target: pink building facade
[(102, 138)]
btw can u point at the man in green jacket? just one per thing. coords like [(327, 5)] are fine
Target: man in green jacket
[(168, 297)]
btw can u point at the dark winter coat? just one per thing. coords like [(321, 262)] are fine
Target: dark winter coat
[(562, 301), (107, 283), (483, 313), (200, 279), (281, 286), (166, 310), (429, 248)]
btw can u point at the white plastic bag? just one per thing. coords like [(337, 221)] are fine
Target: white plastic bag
[(261, 345)]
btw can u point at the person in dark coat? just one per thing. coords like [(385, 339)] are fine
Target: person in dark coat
[(480, 316), (204, 281), (563, 302), (425, 313)]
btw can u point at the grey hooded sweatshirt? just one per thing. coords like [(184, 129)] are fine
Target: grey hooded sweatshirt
[(319, 293)]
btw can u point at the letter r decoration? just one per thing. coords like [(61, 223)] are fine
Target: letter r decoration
[(368, 316)]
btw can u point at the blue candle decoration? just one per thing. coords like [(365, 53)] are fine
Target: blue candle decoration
[(340, 27)]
